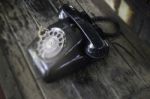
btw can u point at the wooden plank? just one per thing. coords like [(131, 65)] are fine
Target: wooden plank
[(12, 50), (7, 80), (135, 61)]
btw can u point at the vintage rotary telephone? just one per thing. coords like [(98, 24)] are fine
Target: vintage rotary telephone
[(72, 42)]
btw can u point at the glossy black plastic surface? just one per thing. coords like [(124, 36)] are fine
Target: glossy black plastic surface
[(83, 45)]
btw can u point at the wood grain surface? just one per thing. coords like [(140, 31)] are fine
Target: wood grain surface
[(124, 74)]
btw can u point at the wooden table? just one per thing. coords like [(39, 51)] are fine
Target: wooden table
[(124, 74)]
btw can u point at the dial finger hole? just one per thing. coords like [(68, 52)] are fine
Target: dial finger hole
[(58, 35), (55, 33), (51, 33), (60, 44), (63, 36), (60, 39)]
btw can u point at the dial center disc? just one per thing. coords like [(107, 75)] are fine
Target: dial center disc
[(52, 43)]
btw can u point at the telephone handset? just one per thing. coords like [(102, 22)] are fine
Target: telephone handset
[(95, 47)]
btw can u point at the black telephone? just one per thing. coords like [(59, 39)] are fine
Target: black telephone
[(71, 43)]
